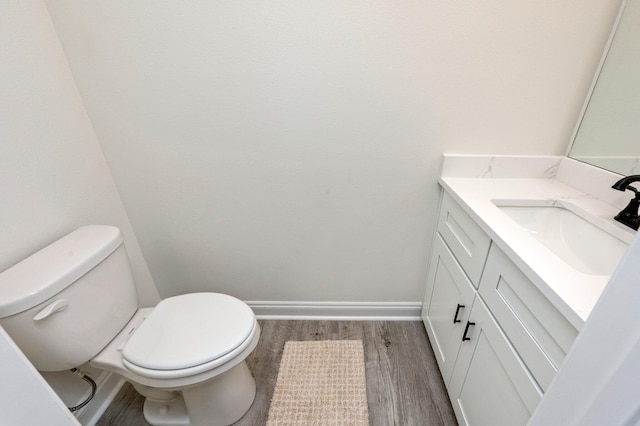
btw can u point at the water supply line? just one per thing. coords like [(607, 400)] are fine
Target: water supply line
[(84, 376)]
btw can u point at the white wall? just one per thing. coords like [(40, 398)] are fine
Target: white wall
[(53, 175), (288, 150)]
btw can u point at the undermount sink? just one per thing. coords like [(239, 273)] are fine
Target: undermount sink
[(579, 243)]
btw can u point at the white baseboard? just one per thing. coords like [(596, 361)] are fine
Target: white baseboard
[(346, 311), (108, 386)]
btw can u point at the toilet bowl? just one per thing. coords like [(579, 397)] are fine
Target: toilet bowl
[(75, 302), (164, 353)]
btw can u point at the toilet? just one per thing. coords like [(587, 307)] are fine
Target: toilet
[(75, 302)]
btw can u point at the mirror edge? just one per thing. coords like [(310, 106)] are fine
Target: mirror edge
[(596, 76)]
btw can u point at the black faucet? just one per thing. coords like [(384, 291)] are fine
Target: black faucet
[(629, 215)]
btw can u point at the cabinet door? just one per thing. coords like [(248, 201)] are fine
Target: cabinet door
[(446, 307), (490, 385)]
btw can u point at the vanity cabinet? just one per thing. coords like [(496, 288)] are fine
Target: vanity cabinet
[(497, 339)]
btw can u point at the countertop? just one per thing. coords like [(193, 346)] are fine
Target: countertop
[(572, 292)]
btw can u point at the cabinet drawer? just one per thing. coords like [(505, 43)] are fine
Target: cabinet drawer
[(540, 334), (466, 240)]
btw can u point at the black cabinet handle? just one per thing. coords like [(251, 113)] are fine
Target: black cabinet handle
[(466, 330), (455, 317)]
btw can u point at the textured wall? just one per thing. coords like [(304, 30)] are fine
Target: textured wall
[(288, 150)]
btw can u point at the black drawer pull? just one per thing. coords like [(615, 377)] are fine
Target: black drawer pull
[(455, 317), (466, 329)]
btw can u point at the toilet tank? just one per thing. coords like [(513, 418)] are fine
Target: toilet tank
[(65, 303)]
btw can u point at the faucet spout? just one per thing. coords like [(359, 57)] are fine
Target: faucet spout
[(629, 215), (624, 183)]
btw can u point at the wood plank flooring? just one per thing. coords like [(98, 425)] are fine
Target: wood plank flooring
[(404, 386)]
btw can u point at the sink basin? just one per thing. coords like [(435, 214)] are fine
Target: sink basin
[(579, 243)]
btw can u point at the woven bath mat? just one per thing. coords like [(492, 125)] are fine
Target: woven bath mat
[(320, 383)]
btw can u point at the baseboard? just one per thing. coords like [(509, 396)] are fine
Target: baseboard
[(108, 386), (349, 311)]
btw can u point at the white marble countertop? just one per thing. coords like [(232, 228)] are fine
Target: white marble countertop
[(572, 292)]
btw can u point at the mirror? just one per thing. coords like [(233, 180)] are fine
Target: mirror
[(609, 133)]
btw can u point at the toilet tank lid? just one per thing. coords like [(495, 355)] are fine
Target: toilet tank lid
[(52, 269)]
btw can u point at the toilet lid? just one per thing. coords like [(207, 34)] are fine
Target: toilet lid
[(189, 330)]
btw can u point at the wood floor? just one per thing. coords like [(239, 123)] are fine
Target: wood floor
[(404, 386)]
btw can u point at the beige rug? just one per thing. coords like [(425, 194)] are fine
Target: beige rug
[(320, 383)]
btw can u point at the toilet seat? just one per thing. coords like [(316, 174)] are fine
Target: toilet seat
[(189, 334)]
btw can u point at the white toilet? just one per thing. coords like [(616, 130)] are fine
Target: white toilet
[(75, 302)]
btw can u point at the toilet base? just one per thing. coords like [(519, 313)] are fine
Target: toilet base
[(220, 401), (159, 413)]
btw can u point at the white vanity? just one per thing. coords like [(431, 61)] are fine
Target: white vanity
[(523, 250)]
